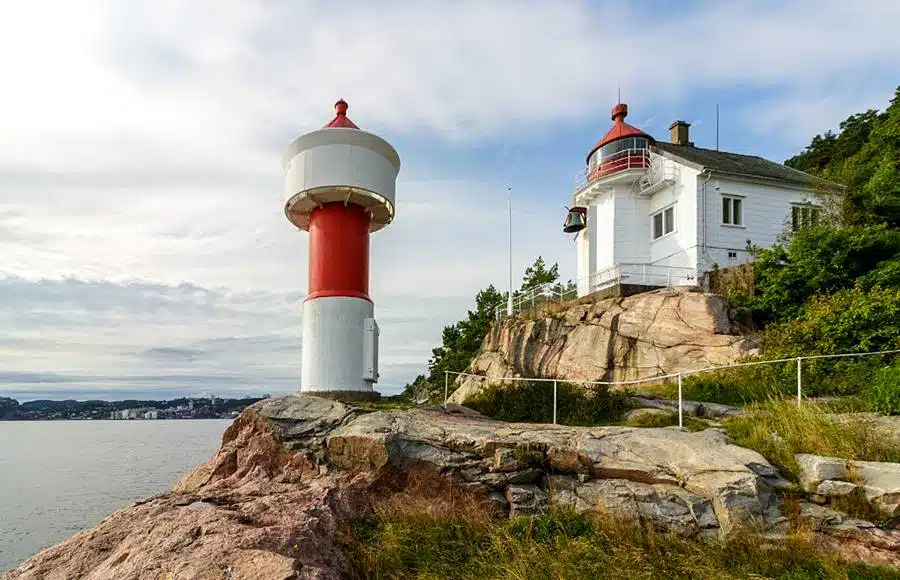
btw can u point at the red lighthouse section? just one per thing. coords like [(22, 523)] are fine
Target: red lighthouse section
[(623, 147), (339, 251)]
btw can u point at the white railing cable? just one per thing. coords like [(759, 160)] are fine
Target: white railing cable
[(648, 274), (679, 376)]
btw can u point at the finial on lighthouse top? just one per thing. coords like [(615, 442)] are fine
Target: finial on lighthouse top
[(341, 120), (619, 111)]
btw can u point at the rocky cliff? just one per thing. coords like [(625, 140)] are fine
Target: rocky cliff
[(292, 471), (614, 339)]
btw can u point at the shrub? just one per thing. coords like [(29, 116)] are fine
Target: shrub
[(819, 260), (851, 320), (532, 401)]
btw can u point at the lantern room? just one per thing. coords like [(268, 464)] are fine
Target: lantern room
[(624, 147)]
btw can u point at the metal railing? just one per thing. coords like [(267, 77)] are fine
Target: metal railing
[(655, 275), (529, 299), (641, 274), (679, 376), (615, 163), (660, 173)]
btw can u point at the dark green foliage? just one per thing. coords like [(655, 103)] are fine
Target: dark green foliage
[(847, 321), (460, 343), (882, 393), (532, 402), (563, 544), (864, 156), (538, 273), (821, 260)]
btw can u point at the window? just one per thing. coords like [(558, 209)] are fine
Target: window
[(617, 147), (663, 222), (732, 211), (805, 216), (732, 255)]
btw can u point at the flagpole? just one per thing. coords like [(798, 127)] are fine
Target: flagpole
[(509, 298)]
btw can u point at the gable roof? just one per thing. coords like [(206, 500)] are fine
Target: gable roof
[(740, 165)]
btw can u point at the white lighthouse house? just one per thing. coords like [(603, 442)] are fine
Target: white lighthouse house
[(340, 184), (650, 214)]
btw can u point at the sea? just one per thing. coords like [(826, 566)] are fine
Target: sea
[(60, 477)]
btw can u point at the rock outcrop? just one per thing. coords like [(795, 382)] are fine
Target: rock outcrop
[(874, 482), (291, 471), (616, 339)]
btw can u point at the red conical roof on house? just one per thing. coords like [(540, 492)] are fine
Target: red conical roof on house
[(341, 119), (620, 130)]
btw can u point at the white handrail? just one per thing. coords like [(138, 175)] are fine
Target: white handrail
[(678, 375), (636, 273)]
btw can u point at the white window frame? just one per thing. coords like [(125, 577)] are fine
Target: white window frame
[(729, 199), (662, 213), (801, 206)]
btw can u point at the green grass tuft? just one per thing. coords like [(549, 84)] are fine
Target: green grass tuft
[(562, 544), (780, 429)]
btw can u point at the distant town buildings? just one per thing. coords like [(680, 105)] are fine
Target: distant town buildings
[(205, 407), (193, 409)]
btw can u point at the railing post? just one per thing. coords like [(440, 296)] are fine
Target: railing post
[(799, 381), (446, 387), (554, 402), (680, 405)]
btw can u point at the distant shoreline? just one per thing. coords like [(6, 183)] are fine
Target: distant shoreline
[(211, 407)]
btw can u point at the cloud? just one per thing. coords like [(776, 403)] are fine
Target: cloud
[(141, 193)]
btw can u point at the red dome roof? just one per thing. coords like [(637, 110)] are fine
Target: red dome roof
[(620, 129), (341, 119)]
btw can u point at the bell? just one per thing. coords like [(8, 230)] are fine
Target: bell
[(575, 220)]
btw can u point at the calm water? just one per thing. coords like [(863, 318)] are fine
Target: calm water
[(60, 477)]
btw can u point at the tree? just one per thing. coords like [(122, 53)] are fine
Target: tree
[(864, 156), (538, 274)]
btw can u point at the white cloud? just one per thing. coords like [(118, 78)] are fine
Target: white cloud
[(142, 144)]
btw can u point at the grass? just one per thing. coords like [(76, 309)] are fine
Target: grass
[(658, 420), (411, 536), (396, 402), (872, 384), (532, 401), (780, 429)]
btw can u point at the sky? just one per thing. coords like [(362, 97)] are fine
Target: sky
[(144, 250)]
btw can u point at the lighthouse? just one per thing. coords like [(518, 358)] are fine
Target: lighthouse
[(340, 184)]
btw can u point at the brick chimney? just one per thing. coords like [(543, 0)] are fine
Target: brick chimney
[(678, 133)]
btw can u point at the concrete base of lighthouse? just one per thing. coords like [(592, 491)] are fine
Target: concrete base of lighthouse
[(340, 348)]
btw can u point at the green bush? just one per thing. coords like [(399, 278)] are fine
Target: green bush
[(821, 260), (532, 401), (852, 320), (882, 394)]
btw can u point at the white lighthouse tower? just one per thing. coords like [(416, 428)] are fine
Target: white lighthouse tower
[(341, 185)]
